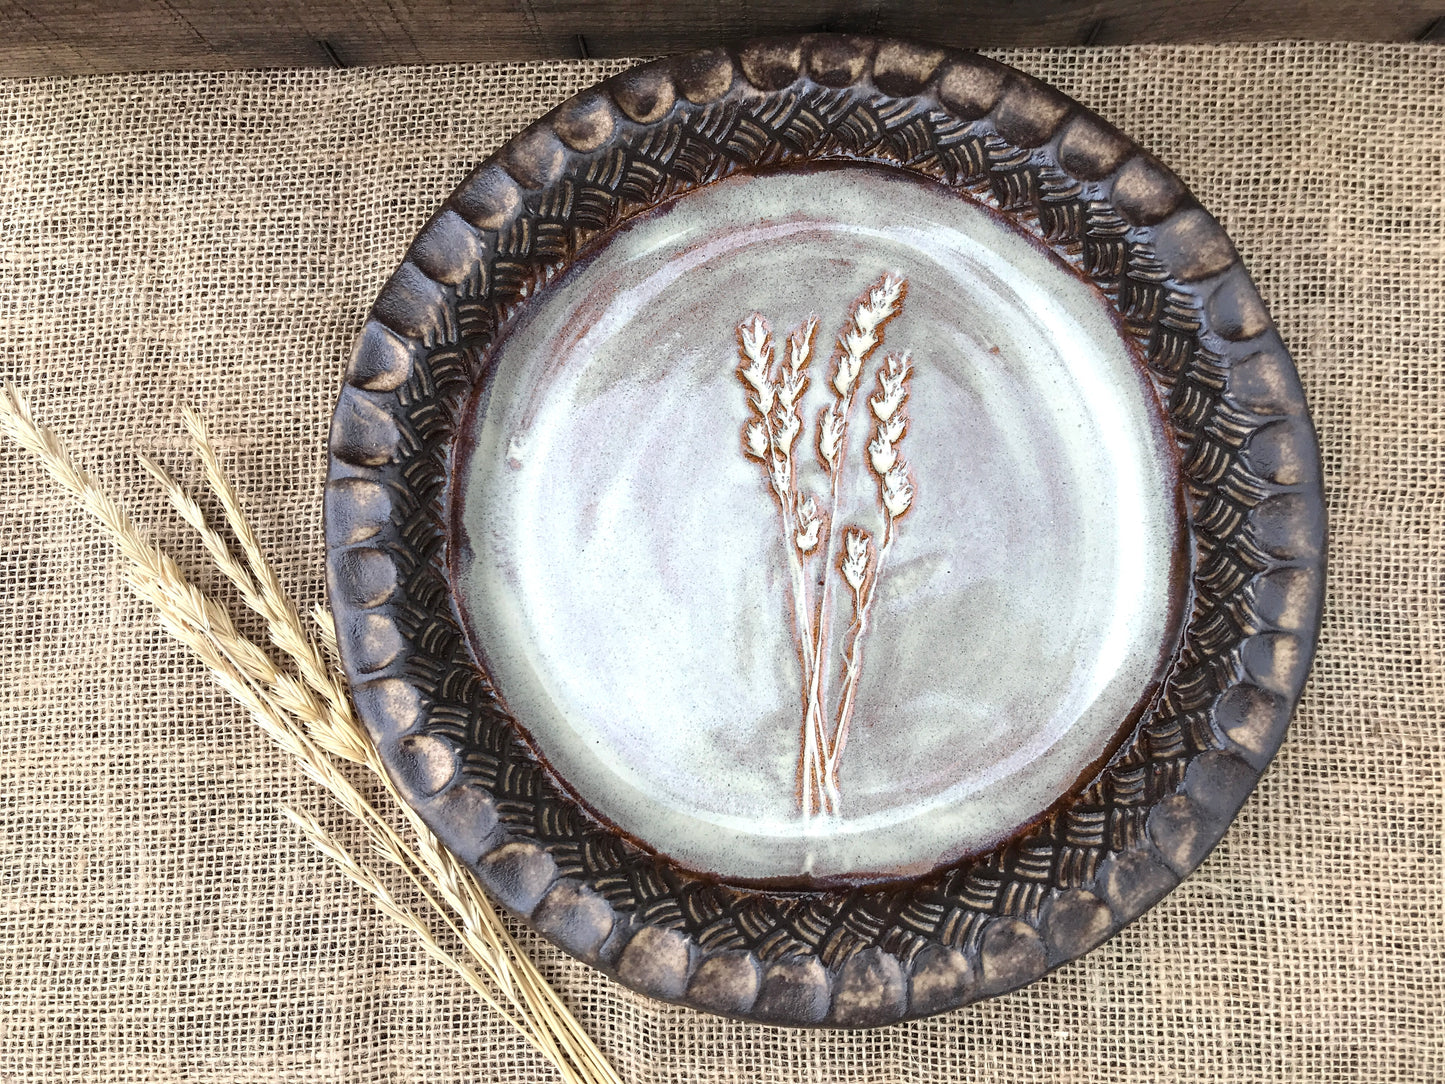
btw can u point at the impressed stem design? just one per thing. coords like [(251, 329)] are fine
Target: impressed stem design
[(769, 436)]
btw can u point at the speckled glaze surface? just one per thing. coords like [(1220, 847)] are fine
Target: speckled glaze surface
[(1069, 516)]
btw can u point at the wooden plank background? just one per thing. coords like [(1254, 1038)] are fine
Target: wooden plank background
[(65, 37)]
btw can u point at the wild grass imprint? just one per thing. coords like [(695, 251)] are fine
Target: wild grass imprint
[(852, 557)]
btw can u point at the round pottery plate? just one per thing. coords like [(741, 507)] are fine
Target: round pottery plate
[(827, 530)]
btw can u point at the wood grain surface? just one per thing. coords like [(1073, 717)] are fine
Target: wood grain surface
[(56, 37)]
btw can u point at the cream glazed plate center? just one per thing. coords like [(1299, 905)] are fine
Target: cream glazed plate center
[(878, 625)]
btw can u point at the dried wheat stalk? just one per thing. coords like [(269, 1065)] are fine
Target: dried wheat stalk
[(310, 717)]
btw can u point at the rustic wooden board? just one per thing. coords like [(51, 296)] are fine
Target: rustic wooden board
[(60, 37)]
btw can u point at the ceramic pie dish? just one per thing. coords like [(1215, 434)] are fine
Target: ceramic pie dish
[(827, 530)]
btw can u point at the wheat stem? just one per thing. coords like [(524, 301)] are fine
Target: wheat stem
[(405, 916), (451, 879), (853, 657), (227, 656), (298, 698), (308, 718), (479, 928), (769, 437), (272, 603), (501, 957), (895, 495), (860, 336)]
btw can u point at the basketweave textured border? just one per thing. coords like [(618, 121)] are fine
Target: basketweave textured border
[(1250, 464)]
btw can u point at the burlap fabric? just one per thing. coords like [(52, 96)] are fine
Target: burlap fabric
[(216, 239)]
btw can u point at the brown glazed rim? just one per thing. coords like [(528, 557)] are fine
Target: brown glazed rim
[(868, 955)]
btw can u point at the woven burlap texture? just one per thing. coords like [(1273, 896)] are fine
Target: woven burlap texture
[(215, 240)]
